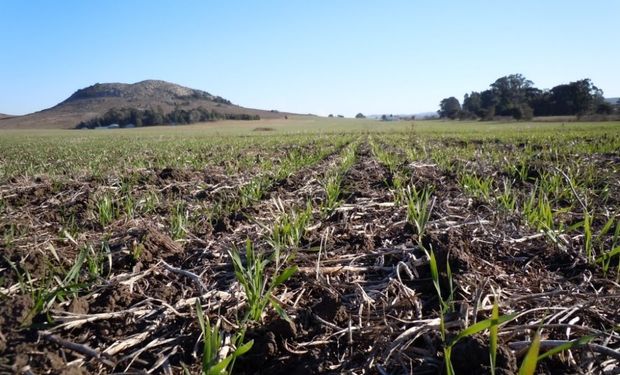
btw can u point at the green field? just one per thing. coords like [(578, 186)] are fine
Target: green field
[(312, 245), (63, 152)]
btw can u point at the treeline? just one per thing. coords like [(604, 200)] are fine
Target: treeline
[(516, 97), (150, 117)]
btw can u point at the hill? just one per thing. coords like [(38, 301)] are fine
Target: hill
[(96, 100), (4, 115)]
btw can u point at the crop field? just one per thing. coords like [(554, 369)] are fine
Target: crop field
[(356, 247)]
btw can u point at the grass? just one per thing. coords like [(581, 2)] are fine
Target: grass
[(59, 283), (290, 227), (332, 192), (507, 197), (212, 345), (106, 210), (31, 153), (178, 221), (528, 366), (419, 208), (257, 282), (479, 187)]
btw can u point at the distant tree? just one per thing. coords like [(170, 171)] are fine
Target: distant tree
[(158, 116), (466, 115), (511, 92), (384, 118), (149, 117), (540, 102), (576, 98), (360, 115), (604, 108), (340, 116), (195, 116), (472, 103), (515, 96), (523, 112), (330, 115), (449, 108), (488, 101)]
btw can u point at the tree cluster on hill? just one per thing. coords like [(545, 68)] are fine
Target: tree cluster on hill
[(514, 96), (151, 117), (206, 96)]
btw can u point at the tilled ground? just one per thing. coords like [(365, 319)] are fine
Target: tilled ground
[(362, 301)]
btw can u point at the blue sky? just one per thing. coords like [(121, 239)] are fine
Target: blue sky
[(323, 56)]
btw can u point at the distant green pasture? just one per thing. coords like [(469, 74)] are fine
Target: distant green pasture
[(64, 152)]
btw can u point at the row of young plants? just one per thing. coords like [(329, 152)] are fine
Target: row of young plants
[(122, 202), (332, 179), (419, 203), (256, 188), (557, 201), (127, 196), (555, 189), (92, 156), (261, 270), (419, 208), (399, 178), (187, 213)]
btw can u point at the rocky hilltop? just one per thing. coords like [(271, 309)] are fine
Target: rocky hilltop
[(149, 89), (151, 95)]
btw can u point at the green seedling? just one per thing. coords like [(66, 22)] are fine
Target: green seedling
[(490, 324), (521, 170), (290, 228), (605, 259), (419, 208), (55, 284), (447, 305), (494, 334), (507, 198), (332, 193), (538, 211), (150, 202), (212, 364), (178, 222), (478, 187), (106, 210), (129, 206), (528, 366), (256, 282), (253, 191)]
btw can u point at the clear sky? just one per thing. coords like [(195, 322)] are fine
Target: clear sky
[(321, 56)]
